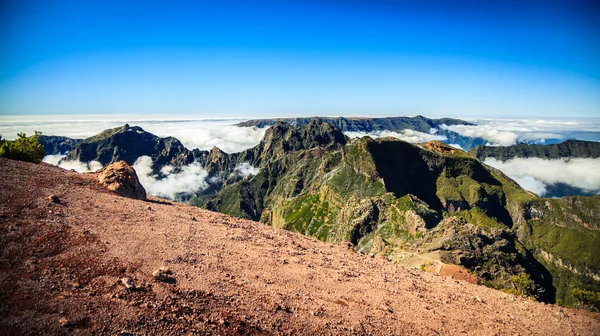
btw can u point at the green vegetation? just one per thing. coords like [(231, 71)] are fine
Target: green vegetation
[(587, 299), (478, 217), (23, 148), (523, 284), (346, 182)]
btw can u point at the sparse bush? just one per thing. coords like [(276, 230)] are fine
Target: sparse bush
[(586, 299), (23, 148), (522, 283)]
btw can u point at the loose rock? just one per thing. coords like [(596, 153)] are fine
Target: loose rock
[(162, 274), (64, 322), (54, 199), (127, 283), (122, 179)]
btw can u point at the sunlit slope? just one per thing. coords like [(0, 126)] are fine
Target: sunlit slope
[(394, 198)]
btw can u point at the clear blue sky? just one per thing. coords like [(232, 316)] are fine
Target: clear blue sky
[(265, 58)]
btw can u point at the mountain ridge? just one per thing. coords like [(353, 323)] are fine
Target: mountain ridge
[(566, 149), (370, 125)]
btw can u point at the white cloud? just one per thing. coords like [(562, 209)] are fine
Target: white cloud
[(80, 167), (192, 132), (534, 173), (456, 146), (208, 134), (406, 135), (506, 132), (531, 183), (191, 178), (53, 159), (245, 169)]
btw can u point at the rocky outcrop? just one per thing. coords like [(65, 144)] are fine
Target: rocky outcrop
[(282, 138), (122, 179), (440, 147)]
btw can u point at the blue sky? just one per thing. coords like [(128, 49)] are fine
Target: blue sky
[(282, 58)]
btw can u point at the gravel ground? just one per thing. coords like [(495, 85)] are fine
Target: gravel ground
[(65, 267)]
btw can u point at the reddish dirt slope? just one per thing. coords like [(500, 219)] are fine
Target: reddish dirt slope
[(61, 265)]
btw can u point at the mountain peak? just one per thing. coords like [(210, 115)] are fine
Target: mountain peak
[(283, 137), (127, 143)]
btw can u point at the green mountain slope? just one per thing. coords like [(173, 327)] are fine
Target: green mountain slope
[(402, 200)]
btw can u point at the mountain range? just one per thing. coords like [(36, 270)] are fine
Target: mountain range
[(425, 205), (566, 149), (392, 124)]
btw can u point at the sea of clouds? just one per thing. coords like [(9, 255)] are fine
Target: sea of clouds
[(536, 174), (191, 178), (407, 135), (506, 132), (187, 180), (533, 174), (78, 166), (192, 132)]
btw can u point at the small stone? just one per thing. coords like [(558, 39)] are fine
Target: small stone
[(149, 207), (162, 274), (76, 285), (127, 283), (64, 322), (54, 199)]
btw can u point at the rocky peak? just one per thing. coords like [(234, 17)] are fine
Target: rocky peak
[(129, 143), (283, 138)]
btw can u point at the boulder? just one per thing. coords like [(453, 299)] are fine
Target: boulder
[(122, 179)]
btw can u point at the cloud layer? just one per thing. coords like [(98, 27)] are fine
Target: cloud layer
[(78, 166), (245, 169), (191, 178), (535, 174), (506, 132), (406, 135), (193, 133)]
